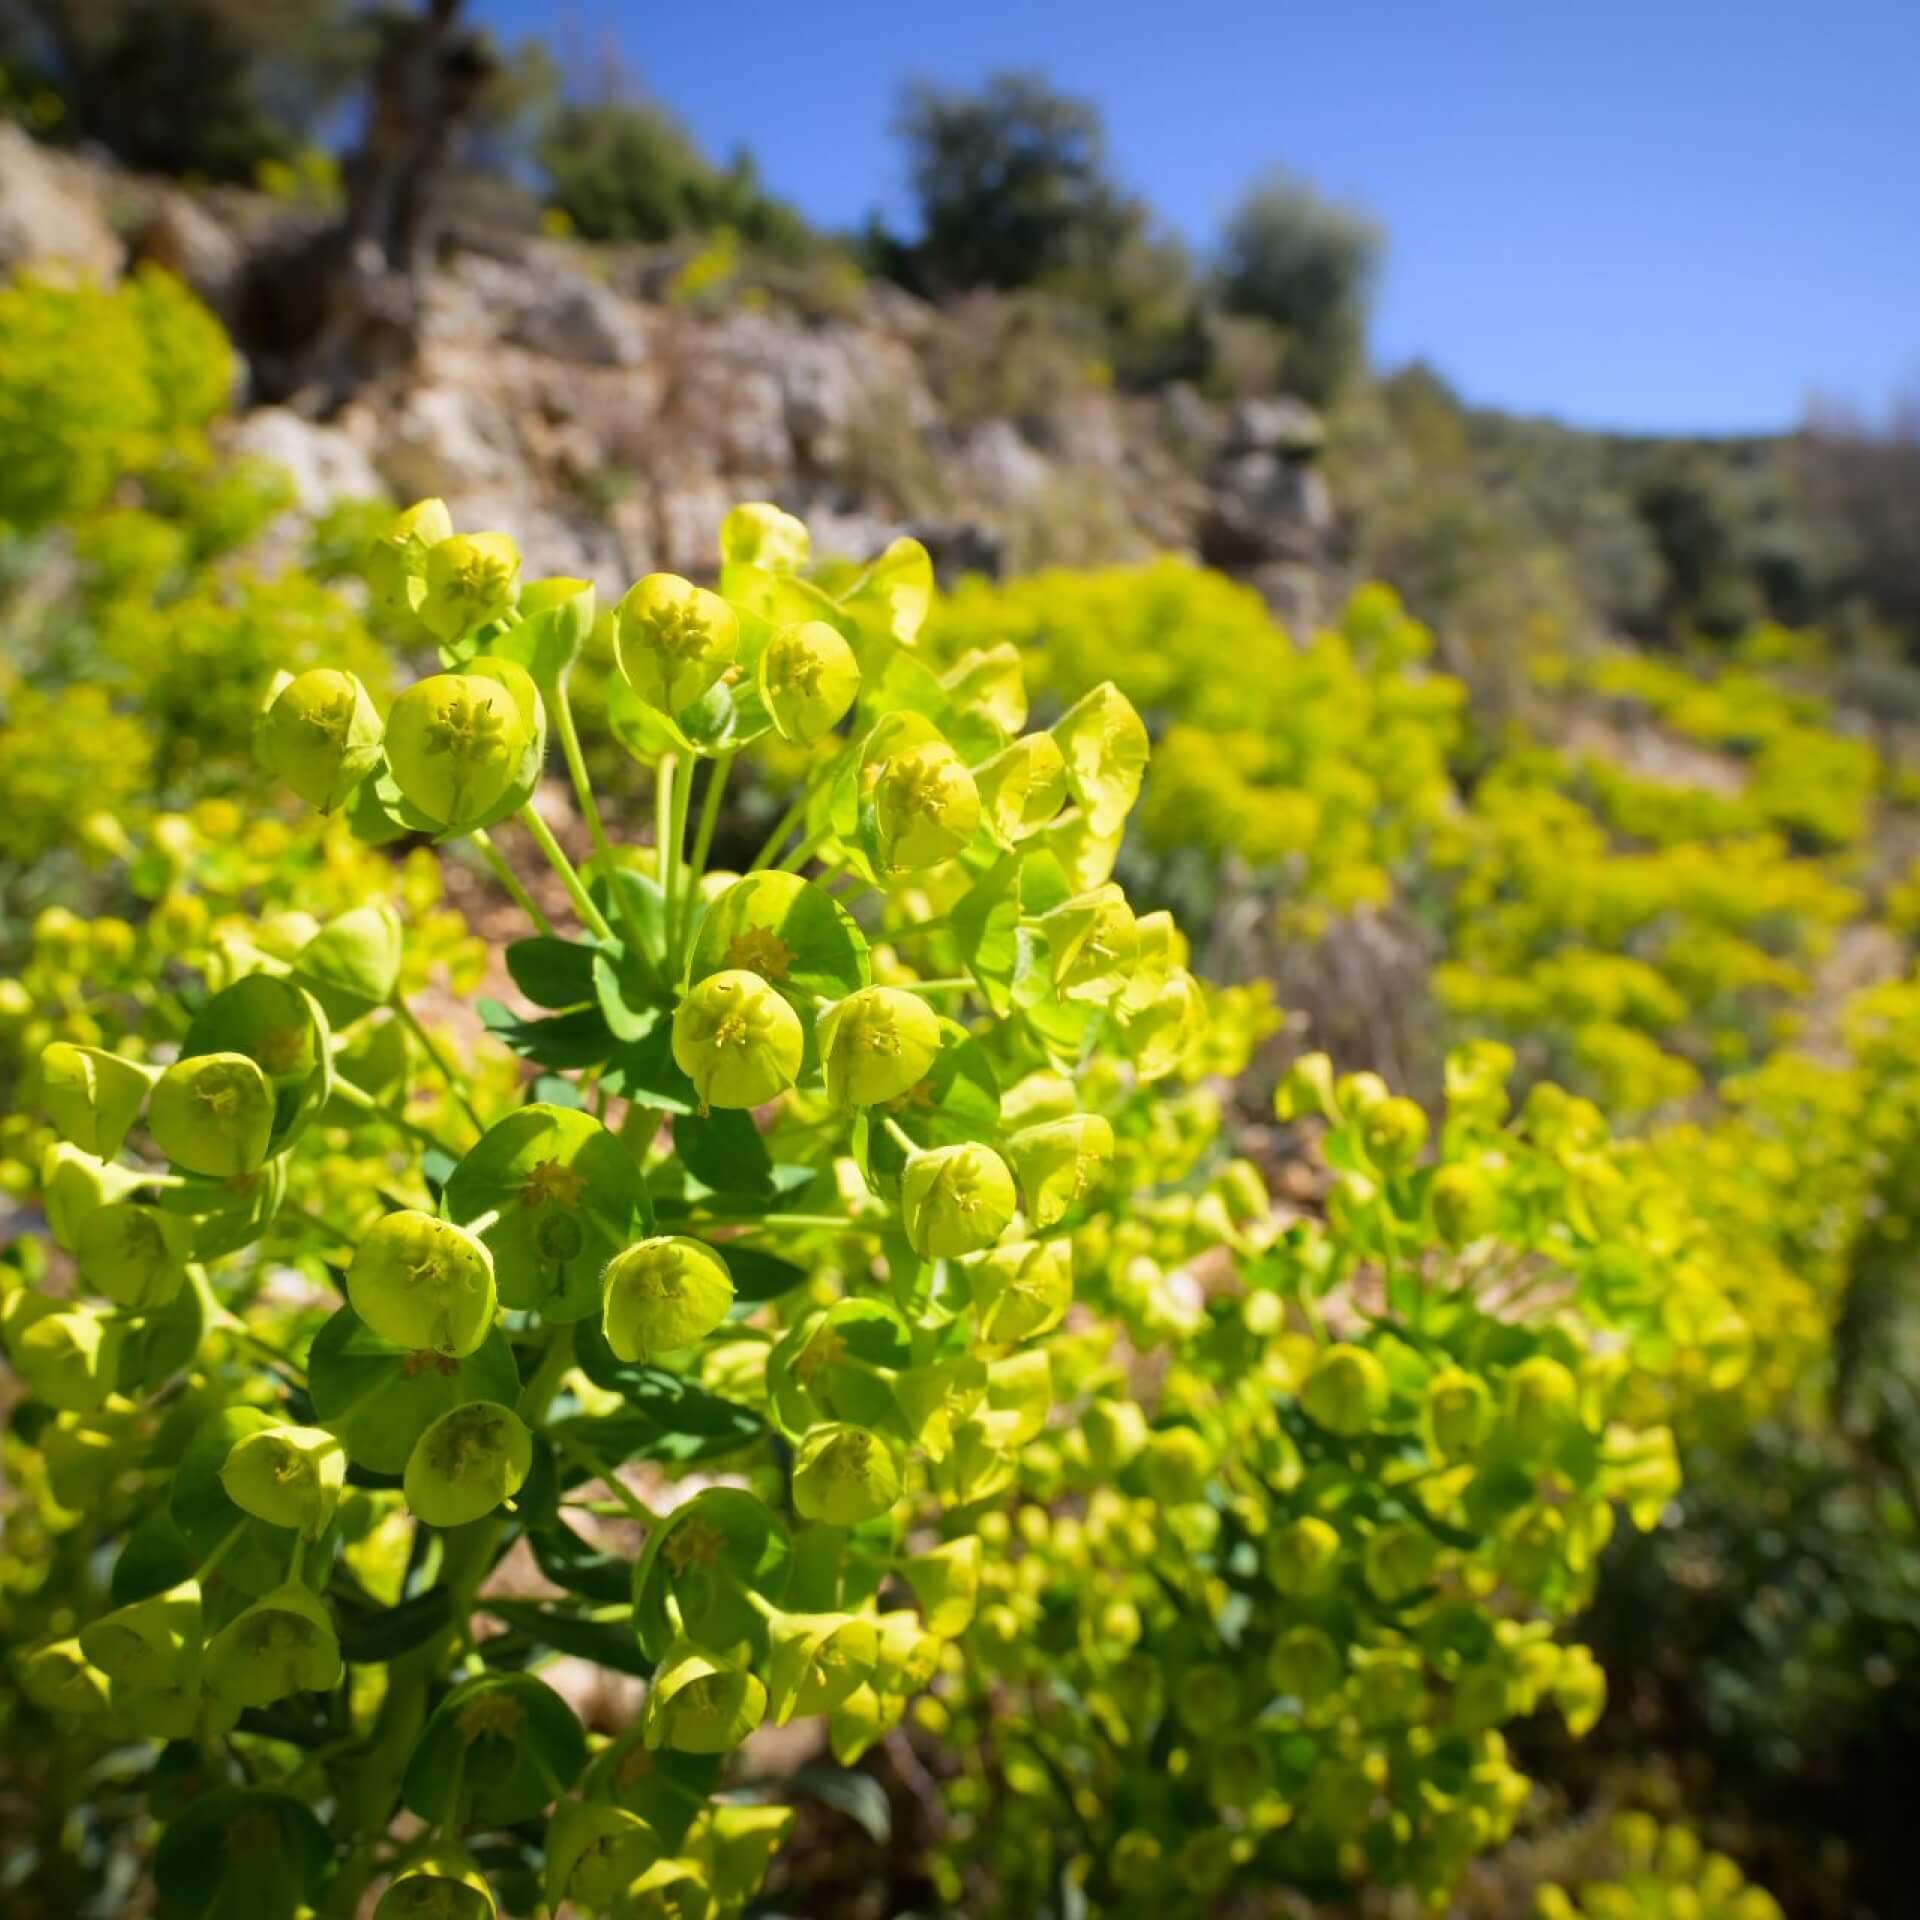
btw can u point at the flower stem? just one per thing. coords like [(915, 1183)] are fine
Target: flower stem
[(347, 1092), (591, 917), (792, 1222), (510, 880), (562, 710), (703, 837), (665, 846), (442, 1064), (777, 838)]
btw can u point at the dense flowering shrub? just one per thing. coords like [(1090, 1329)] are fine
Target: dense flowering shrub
[(791, 1211)]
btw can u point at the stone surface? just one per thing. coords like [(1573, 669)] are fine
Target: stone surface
[(1277, 424), (325, 464), (48, 216), (573, 318)]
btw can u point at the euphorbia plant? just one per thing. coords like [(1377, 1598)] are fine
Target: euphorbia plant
[(790, 1208)]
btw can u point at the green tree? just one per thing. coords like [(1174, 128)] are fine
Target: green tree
[(208, 87), (1305, 265), (1010, 184)]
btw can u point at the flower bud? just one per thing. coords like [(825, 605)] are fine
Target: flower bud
[(1095, 943), (1160, 1035), (1347, 1390), (397, 561), (815, 1660), (908, 1657), (737, 1040), (758, 534), (673, 640), (91, 1095), (843, 1475), (876, 1044), (925, 807), (133, 1254), (321, 735), (469, 580), (956, 1200), (1115, 1431), (1580, 1691), (1303, 1557), (1459, 1413), (696, 1705), (1105, 744), (1175, 1466), (282, 1644), (989, 681), (287, 1476), (1306, 1664), (1023, 1289), (466, 1463), (455, 743), (1307, 1088), (152, 1643), (352, 964), (1464, 1203), (213, 1114), (1542, 1402), (420, 1895), (1057, 1162), (424, 1283), (664, 1294), (595, 1853), (1022, 788), (808, 680)]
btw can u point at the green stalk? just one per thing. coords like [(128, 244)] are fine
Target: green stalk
[(510, 880), (562, 710), (346, 1091), (793, 1222), (665, 847), (591, 917), (782, 827), (703, 837), (442, 1064)]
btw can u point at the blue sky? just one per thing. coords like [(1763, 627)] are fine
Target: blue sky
[(1669, 215)]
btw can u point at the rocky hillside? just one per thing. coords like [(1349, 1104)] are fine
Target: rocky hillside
[(601, 405)]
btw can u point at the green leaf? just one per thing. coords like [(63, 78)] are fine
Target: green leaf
[(553, 973), (724, 1151), (568, 1561), (626, 1000), (156, 1557), (243, 1849), (666, 1418), (645, 1072), (568, 1040), (607, 1643), (744, 1546), (373, 1635), (380, 1399)]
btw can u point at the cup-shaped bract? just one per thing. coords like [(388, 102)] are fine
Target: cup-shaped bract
[(92, 1096), (663, 1294), (455, 742), (876, 1044), (60, 1678), (466, 1463), (1398, 1561), (673, 640), (697, 1705), (352, 964), (321, 735), (73, 1185), (282, 1644), (424, 1283), (990, 682), (287, 1476), (1346, 1392), (1022, 788), (67, 1356), (1105, 744), (213, 1113), (956, 1200), (815, 1660), (595, 1853), (468, 580), (1303, 1557), (1465, 1203), (1058, 1162), (1095, 944), (1306, 1664), (946, 1582), (843, 1475), (808, 679), (422, 1893), (756, 533), (926, 807), (1542, 1403), (1458, 1412), (153, 1642), (737, 1039), (134, 1254), (1162, 1033), (397, 561), (1022, 1289), (556, 621)]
